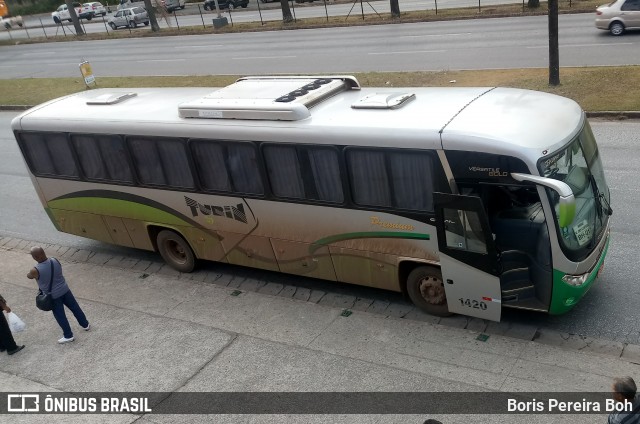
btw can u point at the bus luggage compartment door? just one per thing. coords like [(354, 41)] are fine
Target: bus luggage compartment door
[(468, 257)]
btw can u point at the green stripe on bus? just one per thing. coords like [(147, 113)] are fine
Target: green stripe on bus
[(117, 208), (371, 234)]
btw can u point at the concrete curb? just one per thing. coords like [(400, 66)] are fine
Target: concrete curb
[(626, 351), (14, 107)]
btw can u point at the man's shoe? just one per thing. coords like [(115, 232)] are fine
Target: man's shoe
[(2, 349), (87, 328), (17, 349), (65, 340)]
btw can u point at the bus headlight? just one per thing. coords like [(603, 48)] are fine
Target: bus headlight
[(575, 280)]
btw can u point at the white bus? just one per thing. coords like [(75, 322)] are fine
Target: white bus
[(464, 199)]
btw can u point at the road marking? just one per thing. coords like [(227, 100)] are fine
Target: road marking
[(197, 47), (410, 52), (263, 57), (38, 54), (581, 45), (160, 60), (435, 35), (595, 45)]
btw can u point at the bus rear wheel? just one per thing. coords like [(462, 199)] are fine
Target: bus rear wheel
[(426, 290), (175, 251)]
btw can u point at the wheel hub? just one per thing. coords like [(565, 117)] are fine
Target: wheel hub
[(177, 252), (432, 290)]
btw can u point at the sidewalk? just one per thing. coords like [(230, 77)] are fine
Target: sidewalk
[(159, 332)]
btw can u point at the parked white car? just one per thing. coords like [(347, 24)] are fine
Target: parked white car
[(62, 13), (95, 8), (131, 18), (12, 22), (128, 4)]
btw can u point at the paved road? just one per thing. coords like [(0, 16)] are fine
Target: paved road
[(256, 12), (469, 44), (609, 311)]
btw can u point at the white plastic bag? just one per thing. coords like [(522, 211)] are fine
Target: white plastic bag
[(16, 325)]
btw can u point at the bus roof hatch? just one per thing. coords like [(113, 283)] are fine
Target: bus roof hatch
[(267, 98)]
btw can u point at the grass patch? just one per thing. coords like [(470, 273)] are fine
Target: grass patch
[(580, 84)]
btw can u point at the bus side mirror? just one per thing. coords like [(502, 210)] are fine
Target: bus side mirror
[(567, 203)]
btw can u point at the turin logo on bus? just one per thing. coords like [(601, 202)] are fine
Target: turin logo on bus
[(233, 212)]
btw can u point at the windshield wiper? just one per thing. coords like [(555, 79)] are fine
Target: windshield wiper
[(600, 198), (608, 210)]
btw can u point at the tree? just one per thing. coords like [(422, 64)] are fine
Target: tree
[(151, 11), (395, 8), (287, 17), (533, 4), (74, 17)]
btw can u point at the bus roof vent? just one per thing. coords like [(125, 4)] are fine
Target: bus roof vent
[(383, 101), (268, 98), (110, 98)]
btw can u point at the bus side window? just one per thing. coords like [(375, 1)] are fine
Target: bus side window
[(283, 169), (391, 178), (307, 172), (211, 166), (49, 154), (325, 169), (103, 157), (369, 179), (243, 167), (161, 161), (412, 179)]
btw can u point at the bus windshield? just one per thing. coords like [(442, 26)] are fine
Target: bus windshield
[(579, 165)]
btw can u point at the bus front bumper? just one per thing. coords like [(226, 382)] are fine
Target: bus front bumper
[(569, 289)]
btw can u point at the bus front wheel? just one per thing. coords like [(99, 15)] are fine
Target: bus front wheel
[(175, 251), (426, 290)]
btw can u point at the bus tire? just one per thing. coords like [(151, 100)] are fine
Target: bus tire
[(426, 290), (175, 251)]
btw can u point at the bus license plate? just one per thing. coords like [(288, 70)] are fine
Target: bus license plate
[(582, 232)]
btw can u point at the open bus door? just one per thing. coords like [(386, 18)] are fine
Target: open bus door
[(468, 257)]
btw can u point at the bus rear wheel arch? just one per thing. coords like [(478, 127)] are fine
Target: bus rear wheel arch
[(175, 251), (425, 288)]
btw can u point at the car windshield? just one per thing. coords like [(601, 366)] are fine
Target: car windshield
[(579, 166)]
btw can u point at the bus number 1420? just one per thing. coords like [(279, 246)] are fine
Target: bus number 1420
[(475, 304)]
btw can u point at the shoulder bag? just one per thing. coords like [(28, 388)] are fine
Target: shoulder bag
[(44, 301)]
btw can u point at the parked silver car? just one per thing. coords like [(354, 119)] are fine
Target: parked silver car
[(131, 18), (95, 8), (619, 16)]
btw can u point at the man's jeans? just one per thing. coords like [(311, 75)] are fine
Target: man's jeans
[(70, 302)]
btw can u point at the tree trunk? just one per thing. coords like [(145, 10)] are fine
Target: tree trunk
[(554, 50), (151, 11), (395, 8), (74, 17), (533, 4), (287, 17)]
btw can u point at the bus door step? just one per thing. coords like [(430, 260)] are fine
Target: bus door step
[(519, 293)]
